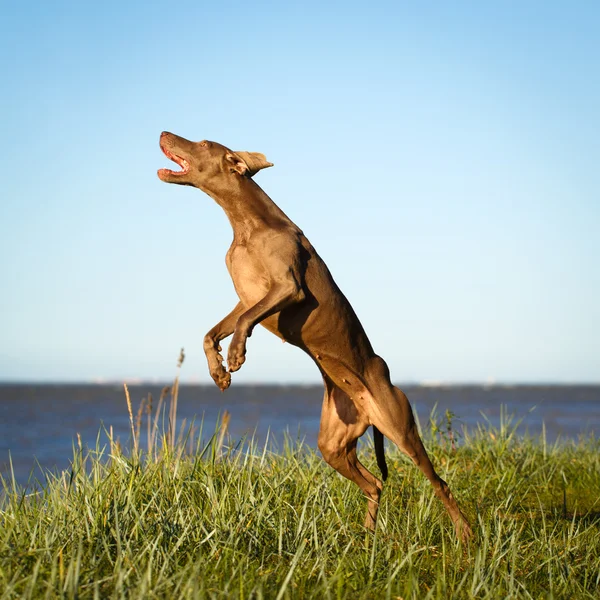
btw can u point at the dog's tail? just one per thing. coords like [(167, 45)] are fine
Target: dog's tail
[(379, 452)]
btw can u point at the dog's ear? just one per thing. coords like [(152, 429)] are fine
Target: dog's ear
[(247, 163)]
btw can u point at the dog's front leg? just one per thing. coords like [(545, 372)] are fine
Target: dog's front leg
[(281, 295), (212, 347)]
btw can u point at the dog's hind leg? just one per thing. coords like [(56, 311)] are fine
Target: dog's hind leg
[(392, 414), (341, 426)]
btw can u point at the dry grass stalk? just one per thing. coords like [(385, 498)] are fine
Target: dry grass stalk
[(173, 413), (149, 423), (222, 431), (174, 398), (152, 441), (138, 421), (135, 445)]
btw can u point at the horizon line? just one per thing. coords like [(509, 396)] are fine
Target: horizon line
[(137, 381)]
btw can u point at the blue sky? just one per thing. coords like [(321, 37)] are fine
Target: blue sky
[(443, 160)]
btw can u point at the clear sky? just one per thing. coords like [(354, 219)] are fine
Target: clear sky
[(443, 158)]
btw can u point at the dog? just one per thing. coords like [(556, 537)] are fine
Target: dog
[(283, 284)]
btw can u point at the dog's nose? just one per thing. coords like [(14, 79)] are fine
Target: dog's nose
[(162, 135)]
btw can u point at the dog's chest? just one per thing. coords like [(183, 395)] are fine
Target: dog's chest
[(249, 277)]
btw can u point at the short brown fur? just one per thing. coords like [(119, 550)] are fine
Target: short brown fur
[(283, 284)]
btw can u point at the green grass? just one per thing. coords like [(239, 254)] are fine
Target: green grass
[(183, 518)]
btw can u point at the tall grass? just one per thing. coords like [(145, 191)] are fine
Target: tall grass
[(184, 514)]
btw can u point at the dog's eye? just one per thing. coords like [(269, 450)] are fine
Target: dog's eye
[(204, 144)]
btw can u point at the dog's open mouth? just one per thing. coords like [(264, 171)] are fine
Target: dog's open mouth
[(184, 164)]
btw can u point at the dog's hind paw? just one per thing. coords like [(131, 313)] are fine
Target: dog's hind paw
[(464, 531)]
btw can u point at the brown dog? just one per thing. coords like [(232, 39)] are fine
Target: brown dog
[(284, 285)]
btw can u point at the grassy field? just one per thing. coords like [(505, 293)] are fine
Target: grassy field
[(196, 516)]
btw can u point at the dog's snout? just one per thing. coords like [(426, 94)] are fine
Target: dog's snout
[(166, 139)]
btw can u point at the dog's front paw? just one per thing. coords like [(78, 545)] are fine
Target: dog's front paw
[(236, 356), (221, 377), (216, 369)]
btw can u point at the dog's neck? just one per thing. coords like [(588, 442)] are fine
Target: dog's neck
[(247, 207)]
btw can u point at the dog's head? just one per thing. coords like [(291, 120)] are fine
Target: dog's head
[(204, 161)]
